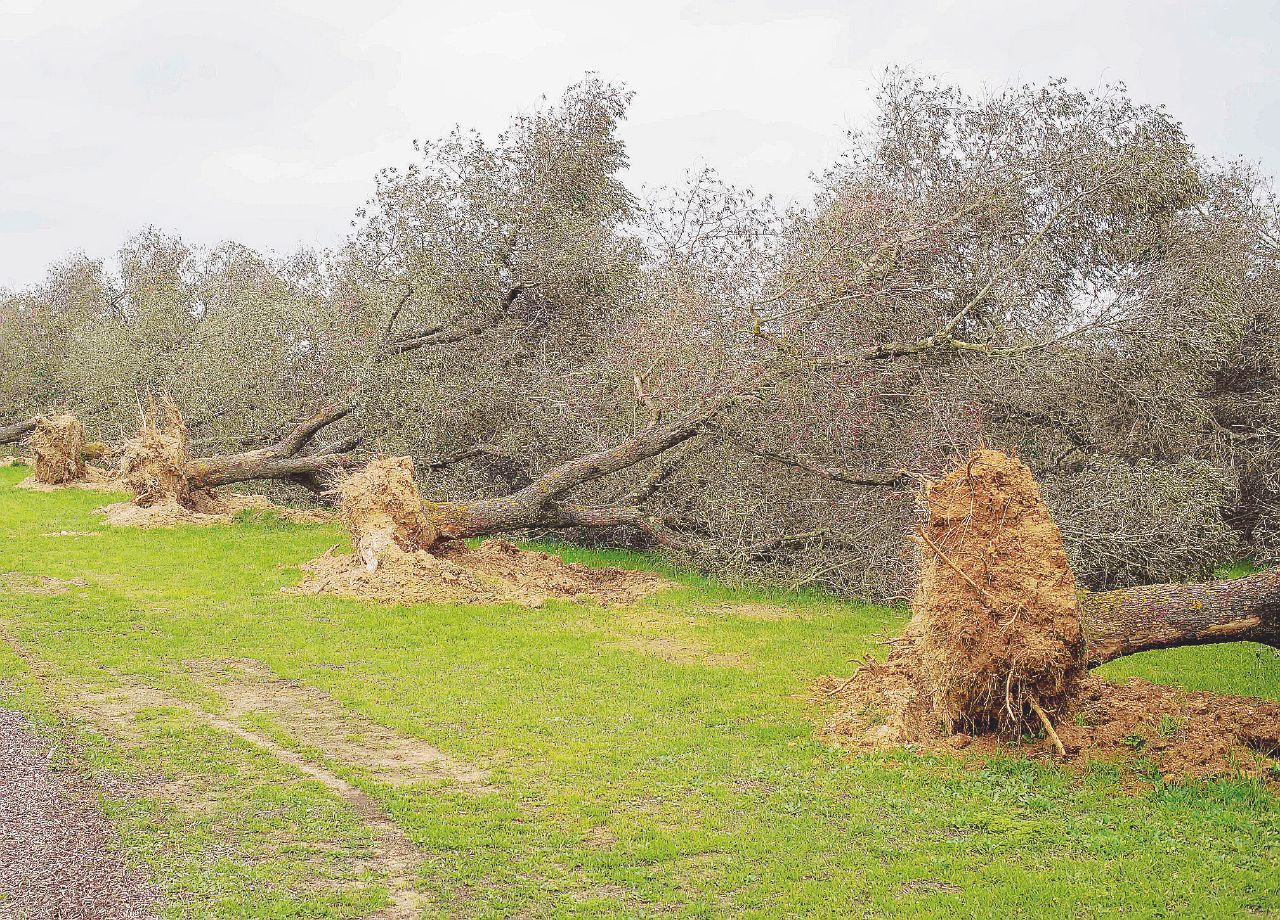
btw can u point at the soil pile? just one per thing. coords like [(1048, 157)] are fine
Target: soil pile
[(208, 508), (94, 480), (1184, 734), (58, 442), (994, 651), (496, 571)]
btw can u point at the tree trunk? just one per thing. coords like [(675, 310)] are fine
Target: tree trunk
[(157, 464), (283, 460), (1131, 620), (12, 434)]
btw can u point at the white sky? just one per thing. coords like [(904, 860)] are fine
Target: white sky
[(264, 121)]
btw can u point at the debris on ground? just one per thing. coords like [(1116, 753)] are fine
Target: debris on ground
[(403, 553)]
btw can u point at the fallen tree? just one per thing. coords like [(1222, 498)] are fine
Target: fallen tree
[(1000, 643), (402, 556), (158, 467)]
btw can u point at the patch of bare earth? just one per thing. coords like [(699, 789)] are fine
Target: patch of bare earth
[(496, 571), (57, 856), (41, 585), (679, 651), (220, 509), (315, 720), (393, 857)]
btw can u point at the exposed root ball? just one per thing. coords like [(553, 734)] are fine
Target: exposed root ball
[(996, 614), (383, 510), (59, 444), (154, 463)]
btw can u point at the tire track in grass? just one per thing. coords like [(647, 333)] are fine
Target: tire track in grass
[(395, 855)]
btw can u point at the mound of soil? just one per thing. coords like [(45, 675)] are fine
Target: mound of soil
[(207, 508), (994, 652), (92, 480), (496, 571), (1185, 735)]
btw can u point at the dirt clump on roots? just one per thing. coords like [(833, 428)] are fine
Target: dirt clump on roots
[(994, 654), (384, 512), (153, 464), (61, 455), (58, 442), (405, 551)]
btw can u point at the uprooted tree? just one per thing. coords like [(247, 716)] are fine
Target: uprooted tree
[(158, 467), (1001, 641)]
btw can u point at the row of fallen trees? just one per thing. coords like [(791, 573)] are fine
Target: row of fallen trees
[(1000, 644), (157, 467)]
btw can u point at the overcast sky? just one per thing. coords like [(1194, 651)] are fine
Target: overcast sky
[(264, 121)]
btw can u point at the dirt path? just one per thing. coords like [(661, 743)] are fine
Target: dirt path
[(395, 856), (56, 858)]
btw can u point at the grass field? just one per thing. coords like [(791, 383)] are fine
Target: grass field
[(659, 759)]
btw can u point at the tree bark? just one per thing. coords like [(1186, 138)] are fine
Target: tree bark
[(283, 460), (1131, 620), (12, 434)]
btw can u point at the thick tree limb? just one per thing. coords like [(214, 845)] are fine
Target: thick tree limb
[(865, 479), (284, 459), (502, 463), (447, 334), (1131, 620), (12, 434)]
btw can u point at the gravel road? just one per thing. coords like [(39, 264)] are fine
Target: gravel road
[(57, 860)]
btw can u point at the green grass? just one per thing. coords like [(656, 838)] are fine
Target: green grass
[(657, 759)]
